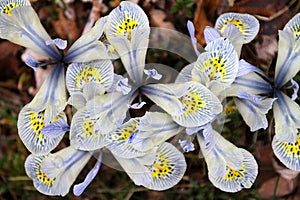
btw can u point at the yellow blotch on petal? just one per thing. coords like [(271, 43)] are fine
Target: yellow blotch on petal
[(124, 133), (293, 149), (215, 68), (127, 25), (162, 167), (193, 102), (42, 177), (89, 128), (234, 174), (238, 23), (9, 7), (37, 123)]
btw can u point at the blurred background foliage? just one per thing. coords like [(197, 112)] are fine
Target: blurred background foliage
[(67, 19)]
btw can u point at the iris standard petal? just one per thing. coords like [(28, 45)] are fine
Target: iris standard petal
[(110, 110), (287, 65), (20, 24), (250, 82), (153, 129), (245, 68), (79, 74), (253, 110), (220, 62), (287, 118), (90, 47), (191, 30), (128, 32), (45, 108), (210, 34), (235, 36), (247, 24)]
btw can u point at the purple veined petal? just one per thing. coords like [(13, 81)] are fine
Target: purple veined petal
[(123, 86), (250, 97), (110, 110), (245, 68), (79, 188), (77, 100), (128, 32), (190, 104), (61, 44), (137, 105), (210, 34), (193, 130), (253, 110), (55, 173), (293, 25), (235, 36), (56, 128), (48, 103), (247, 24), (138, 173), (120, 140), (152, 73), (250, 82), (185, 75), (296, 89), (82, 134), (287, 118), (186, 145), (220, 62), (32, 62), (22, 26), (166, 96), (287, 65), (87, 47), (229, 168), (167, 169), (154, 128), (287, 152), (191, 30), (80, 74)]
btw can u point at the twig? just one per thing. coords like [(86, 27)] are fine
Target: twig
[(277, 14)]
